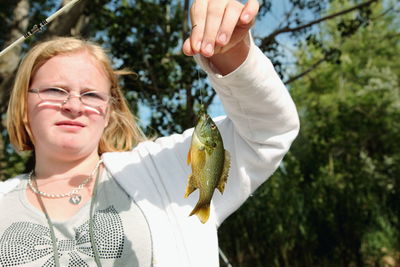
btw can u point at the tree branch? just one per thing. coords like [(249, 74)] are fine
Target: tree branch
[(185, 26), (69, 23), (298, 76), (272, 36), (210, 99), (316, 64), (9, 62), (384, 13)]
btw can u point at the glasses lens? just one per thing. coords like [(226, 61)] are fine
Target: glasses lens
[(94, 99), (53, 94)]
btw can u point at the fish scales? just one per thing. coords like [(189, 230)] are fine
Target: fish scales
[(210, 164)]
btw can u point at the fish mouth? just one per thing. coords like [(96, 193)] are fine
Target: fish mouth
[(206, 121)]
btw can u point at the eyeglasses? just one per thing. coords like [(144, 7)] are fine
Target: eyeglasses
[(58, 95)]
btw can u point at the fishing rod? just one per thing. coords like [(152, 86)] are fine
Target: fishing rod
[(36, 28)]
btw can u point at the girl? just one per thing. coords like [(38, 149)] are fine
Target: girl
[(99, 193)]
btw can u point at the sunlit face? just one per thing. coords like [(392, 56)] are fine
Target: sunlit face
[(70, 128)]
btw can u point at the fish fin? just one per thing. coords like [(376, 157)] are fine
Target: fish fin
[(202, 211), (190, 188), (225, 172), (189, 159)]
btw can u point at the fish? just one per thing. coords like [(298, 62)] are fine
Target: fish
[(210, 164)]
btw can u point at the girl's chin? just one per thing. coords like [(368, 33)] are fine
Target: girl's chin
[(74, 148), (69, 144), (74, 143)]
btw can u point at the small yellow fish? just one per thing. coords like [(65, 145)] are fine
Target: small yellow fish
[(210, 164)]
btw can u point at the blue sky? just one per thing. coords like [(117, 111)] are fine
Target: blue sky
[(262, 28)]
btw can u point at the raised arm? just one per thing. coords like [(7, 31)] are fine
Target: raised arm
[(260, 126), (262, 118)]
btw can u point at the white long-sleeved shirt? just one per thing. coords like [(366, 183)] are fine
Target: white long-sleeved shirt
[(260, 125)]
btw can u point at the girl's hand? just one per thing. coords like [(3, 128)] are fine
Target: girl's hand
[(219, 26)]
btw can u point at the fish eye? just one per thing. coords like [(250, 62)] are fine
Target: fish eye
[(214, 144), (213, 126)]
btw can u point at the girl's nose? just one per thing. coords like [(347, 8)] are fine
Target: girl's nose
[(73, 105)]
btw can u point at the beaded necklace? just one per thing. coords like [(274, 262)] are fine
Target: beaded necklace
[(75, 198), (91, 233)]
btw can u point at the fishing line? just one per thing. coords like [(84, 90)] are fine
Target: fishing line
[(201, 90), (39, 27)]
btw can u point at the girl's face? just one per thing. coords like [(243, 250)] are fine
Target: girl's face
[(68, 129)]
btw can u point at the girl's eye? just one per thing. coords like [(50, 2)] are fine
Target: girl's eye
[(53, 92), (94, 95)]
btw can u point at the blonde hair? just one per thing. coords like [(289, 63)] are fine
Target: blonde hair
[(122, 132)]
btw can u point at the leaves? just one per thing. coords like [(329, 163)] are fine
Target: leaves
[(334, 201)]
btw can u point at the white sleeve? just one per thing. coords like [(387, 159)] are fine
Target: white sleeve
[(8, 185), (262, 123)]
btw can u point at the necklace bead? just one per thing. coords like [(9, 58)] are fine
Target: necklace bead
[(75, 198)]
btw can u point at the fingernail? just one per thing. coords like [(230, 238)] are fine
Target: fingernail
[(222, 37), (209, 49), (198, 45), (246, 17)]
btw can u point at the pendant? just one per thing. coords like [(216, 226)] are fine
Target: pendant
[(75, 199)]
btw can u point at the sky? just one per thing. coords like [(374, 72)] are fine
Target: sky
[(262, 28)]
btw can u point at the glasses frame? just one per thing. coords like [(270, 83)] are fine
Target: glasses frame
[(69, 95)]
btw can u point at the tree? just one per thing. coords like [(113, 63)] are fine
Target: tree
[(146, 36), (334, 201)]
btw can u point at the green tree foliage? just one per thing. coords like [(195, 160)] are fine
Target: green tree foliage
[(335, 200), (146, 37)]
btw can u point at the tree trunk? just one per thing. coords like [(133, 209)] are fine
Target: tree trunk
[(71, 23), (9, 62)]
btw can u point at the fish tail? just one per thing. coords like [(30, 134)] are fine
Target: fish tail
[(202, 211)]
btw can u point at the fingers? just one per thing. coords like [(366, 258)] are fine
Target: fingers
[(249, 12), (230, 20), (215, 14), (198, 14), (187, 48), (217, 21)]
